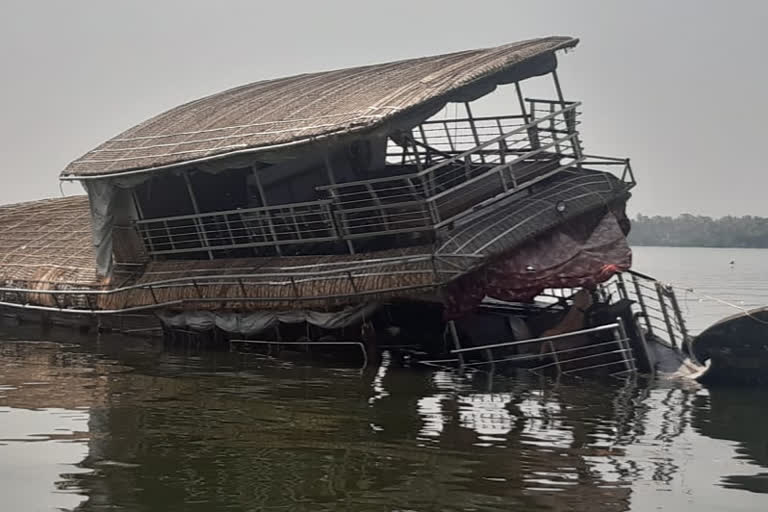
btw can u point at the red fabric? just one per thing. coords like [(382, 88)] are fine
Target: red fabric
[(582, 254)]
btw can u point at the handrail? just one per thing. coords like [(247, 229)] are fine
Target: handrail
[(600, 328), (318, 202), (459, 157), (201, 280)]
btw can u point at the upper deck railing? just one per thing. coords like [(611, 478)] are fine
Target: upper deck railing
[(457, 164), (441, 193)]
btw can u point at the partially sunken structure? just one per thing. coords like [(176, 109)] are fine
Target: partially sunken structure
[(323, 198)]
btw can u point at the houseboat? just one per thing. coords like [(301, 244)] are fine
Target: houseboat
[(372, 206)]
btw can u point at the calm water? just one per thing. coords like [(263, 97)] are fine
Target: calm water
[(116, 424)]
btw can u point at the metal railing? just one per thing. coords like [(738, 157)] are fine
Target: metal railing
[(557, 353), (269, 226), (460, 164), (270, 283), (441, 193), (437, 139), (661, 316)]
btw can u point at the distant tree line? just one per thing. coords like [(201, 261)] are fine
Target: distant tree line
[(697, 231)]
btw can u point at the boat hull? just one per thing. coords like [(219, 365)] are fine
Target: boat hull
[(736, 349)]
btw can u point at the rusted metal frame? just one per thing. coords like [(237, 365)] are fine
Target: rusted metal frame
[(263, 197), (197, 221), (641, 302), (665, 313)]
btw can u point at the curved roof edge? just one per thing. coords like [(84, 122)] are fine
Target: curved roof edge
[(286, 113)]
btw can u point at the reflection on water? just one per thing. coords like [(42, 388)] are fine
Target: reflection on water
[(97, 424)]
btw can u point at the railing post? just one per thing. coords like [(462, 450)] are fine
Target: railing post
[(533, 127), (268, 213), (641, 301), (198, 223), (456, 343), (622, 286), (665, 313), (680, 320), (474, 129), (629, 359)]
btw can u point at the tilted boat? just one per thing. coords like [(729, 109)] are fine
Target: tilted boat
[(370, 206)]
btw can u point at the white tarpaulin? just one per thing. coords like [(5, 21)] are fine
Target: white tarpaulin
[(259, 321)]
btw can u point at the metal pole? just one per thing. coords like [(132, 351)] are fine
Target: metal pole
[(680, 320), (629, 359), (622, 286), (641, 301), (198, 223), (456, 343), (520, 100), (665, 312), (263, 198), (474, 129)]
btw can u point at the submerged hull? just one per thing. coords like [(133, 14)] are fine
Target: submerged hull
[(736, 349)]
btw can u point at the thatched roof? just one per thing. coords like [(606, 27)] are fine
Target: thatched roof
[(47, 241), (271, 114)]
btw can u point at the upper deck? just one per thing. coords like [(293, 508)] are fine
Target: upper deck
[(253, 172)]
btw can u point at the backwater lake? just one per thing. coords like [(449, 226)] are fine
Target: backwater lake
[(97, 423)]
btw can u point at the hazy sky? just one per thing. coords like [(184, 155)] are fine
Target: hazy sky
[(681, 87)]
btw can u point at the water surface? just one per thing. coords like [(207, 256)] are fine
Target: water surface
[(111, 423)]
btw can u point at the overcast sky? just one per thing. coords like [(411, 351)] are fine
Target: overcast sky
[(681, 87)]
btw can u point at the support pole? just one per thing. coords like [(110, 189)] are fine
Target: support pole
[(473, 127), (198, 223), (570, 119), (686, 342), (263, 198), (456, 342), (665, 313), (641, 301)]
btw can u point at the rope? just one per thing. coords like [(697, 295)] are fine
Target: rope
[(689, 289)]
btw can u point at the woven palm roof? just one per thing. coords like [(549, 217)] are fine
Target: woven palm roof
[(47, 241), (273, 114)]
